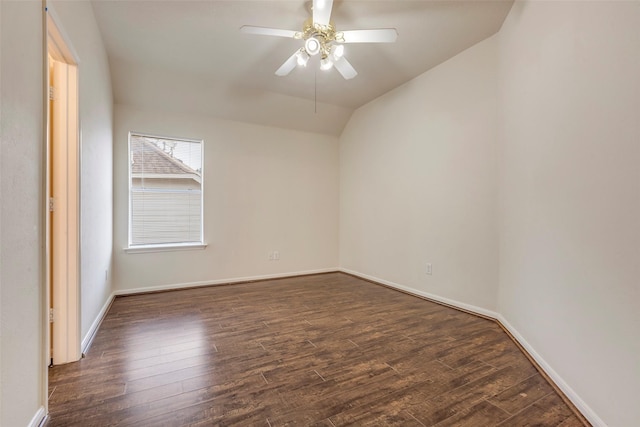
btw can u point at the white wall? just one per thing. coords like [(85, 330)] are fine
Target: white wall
[(22, 384), (1, 179), (21, 246), (533, 211), (570, 195), (266, 189), (418, 182), (96, 120)]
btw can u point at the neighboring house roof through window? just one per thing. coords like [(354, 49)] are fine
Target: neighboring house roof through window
[(151, 161)]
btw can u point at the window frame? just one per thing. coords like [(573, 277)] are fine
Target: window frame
[(162, 247)]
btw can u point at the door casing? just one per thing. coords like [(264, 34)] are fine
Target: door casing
[(62, 190)]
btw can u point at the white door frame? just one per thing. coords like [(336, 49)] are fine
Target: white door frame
[(62, 251)]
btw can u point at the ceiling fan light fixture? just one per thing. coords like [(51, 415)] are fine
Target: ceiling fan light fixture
[(326, 64), (312, 46), (302, 57), (319, 37)]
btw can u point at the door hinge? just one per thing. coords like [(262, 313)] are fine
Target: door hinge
[(51, 315), (52, 93), (52, 204)]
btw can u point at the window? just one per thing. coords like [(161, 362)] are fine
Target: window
[(165, 192)]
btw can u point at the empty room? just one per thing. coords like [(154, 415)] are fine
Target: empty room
[(348, 212)]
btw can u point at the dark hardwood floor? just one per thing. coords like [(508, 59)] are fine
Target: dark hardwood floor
[(324, 350)]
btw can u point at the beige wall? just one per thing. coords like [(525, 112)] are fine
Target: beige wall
[(265, 189), (570, 186), (21, 242), (514, 168), (418, 182), (22, 391)]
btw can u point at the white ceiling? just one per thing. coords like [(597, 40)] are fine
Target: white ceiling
[(190, 57)]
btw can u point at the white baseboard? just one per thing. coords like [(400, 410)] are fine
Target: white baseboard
[(86, 341), (588, 413), (38, 418), (461, 305), (177, 286)]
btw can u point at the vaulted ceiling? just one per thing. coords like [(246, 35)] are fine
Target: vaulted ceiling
[(190, 57)]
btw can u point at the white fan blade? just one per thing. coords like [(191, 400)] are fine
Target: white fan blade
[(322, 11), (381, 35), (345, 68), (264, 31), (288, 65)]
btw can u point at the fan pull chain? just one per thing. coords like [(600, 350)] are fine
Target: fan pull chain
[(315, 91)]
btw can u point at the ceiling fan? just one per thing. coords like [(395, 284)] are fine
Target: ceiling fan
[(321, 38)]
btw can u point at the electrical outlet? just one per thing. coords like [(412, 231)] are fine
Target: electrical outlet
[(429, 269), (276, 255), (270, 256)]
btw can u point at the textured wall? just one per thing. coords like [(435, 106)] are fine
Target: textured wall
[(21, 183), (570, 195), (265, 189), (418, 182)]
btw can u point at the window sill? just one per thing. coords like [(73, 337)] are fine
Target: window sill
[(165, 248)]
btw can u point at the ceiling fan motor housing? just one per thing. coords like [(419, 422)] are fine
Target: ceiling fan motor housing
[(319, 38)]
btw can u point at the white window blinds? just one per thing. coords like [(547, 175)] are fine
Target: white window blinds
[(165, 190)]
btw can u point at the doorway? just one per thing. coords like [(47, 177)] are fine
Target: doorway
[(62, 193)]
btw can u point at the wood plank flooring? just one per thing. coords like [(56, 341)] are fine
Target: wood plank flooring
[(324, 350)]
